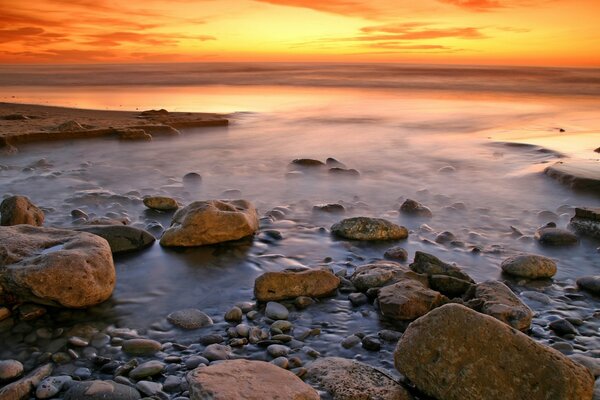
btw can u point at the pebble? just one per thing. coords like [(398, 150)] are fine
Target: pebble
[(172, 384), (147, 369), (10, 369), (563, 327), (211, 339), (189, 318), (50, 386), (78, 342), (282, 325), (234, 315), (215, 352), (358, 299), (371, 343), (141, 347), (148, 388), (276, 311), (396, 253), (281, 362), (302, 302), (277, 350), (4, 313), (350, 341), (194, 361), (82, 373)]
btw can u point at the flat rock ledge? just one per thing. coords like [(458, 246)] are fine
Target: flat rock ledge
[(583, 175), (249, 380), (455, 353)]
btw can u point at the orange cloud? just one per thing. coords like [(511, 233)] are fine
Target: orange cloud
[(342, 7), (475, 5), (152, 39), (418, 31)]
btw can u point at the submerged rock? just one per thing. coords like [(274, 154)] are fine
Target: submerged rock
[(345, 379), (455, 353), (161, 203), (590, 283), (586, 222), (121, 238), (55, 267), (364, 228), (414, 208), (329, 208), (210, 222), (531, 266), (431, 265), (307, 162), (141, 347), (501, 303), (408, 300), (579, 175), (551, 236), (16, 210), (290, 284), (351, 172), (249, 380)]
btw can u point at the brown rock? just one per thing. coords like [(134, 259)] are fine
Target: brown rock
[(431, 265), (408, 300), (382, 273), (17, 210), (364, 228), (161, 203), (22, 388), (209, 222), (414, 208), (501, 303), (454, 353), (530, 266), (248, 380), (55, 267), (274, 286)]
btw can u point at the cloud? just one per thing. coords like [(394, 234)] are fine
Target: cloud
[(475, 5), (150, 39), (417, 31), (342, 7)]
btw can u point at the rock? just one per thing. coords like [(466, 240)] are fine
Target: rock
[(529, 266), (414, 208), (350, 172), (22, 388), (234, 315), (456, 353), (70, 126), (449, 286), (396, 253), (590, 283), (290, 284), (552, 236), (586, 222), (141, 347), (216, 352), (277, 350), (10, 369), (345, 379), (380, 274), (132, 134), (302, 302), (189, 318), (4, 313), (55, 267), (210, 222), (31, 312), (149, 368), (15, 117), (501, 303), (307, 162), (364, 228), (581, 175), (329, 208), (408, 300), (192, 178), (121, 238), (562, 327), (276, 311), (50, 386), (430, 265), (371, 343), (16, 210), (358, 299), (592, 364), (149, 388), (445, 237), (161, 203), (351, 341), (248, 380), (172, 384), (101, 390)]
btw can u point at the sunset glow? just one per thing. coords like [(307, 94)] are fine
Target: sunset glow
[(517, 32)]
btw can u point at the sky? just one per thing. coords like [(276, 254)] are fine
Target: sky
[(496, 32)]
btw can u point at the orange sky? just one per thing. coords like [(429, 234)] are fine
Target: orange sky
[(518, 32)]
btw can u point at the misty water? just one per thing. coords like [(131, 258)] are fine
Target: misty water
[(402, 137)]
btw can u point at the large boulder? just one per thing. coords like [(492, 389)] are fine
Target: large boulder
[(531, 266), (364, 228), (498, 301), (210, 222), (431, 265), (407, 300), (16, 210), (274, 286), (249, 380), (454, 353), (345, 379), (55, 267), (121, 238), (380, 274)]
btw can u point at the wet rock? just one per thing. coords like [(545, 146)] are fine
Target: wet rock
[(149, 388), (189, 318), (345, 379), (551, 236), (249, 380), (149, 368), (414, 208), (161, 203), (216, 352), (371, 343), (351, 341), (408, 300), (172, 384), (396, 253), (380, 274), (10, 369), (349, 172), (389, 335), (449, 286), (590, 283), (4, 313), (22, 388), (15, 117), (364, 228), (289, 284), (529, 266), (430, 265), (141, 347), (307, 162), (50, 386), (70, 126), (445, 237), (31, 312), (277, 350), (55, 267), (192, 178), (101, 390), (17, 210), (586, 222), (456, 353), (592, 364), (501, 303), (121, 238), (329, 208), (358, 299), (581, 175), (276, 311), (562, 327), (210, 222), (302, 302), (234, 315)]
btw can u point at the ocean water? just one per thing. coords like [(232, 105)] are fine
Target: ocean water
[(400, 126)]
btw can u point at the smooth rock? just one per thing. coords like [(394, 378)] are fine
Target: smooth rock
[(55, 267), (22, 388), (277, 350), (454, 353), (210, 222), (148, 388), (449, 285), (414, 208), (591, 363), (501, 303), (10, 369), (248, 380), (16, 210), (101, 390), (396, 253), (276, 311), (121, 238), (273, 286), (216, 352), (161, 203), (590, 283), (529, 266), (408, 300), (581, 175), (551, 236), (350, 341), (562, 327), (141, 347), (431, 265), (380, 274), (364, 228), (149, 368), (234, 315), (189, 318), (329, 208), (50, 386), (586, 221)]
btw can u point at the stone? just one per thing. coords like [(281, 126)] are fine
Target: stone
[(329, 208), (189, 318), (141, 347), (31, 312), (380, 274), (22, 388), (144, 370), (209, 222), (414, 208), (531, 266), (281, 362), (216, 352), (431, 265), (132, 134), (16, 210), (192, 178), (4, 313), (172, 384), (586, 221), (591, 363), (121, 238), (445, 237), (161, 203), (396, 253), (307, 162), (101, 390), (70, 126), (408, 300), (349, 172), (345, 379), (274, 286), (248, 380), (580, 175), (371, 343), (276, 311), (10, 369), (149, 388), (350, 341), (454, 353), (50, 386), (364, 228), (358, 299), (501, 303), (278, 350), (551, 236), (590, 283), (562, 327), (234, 315), (55, 267), (449, 285)]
